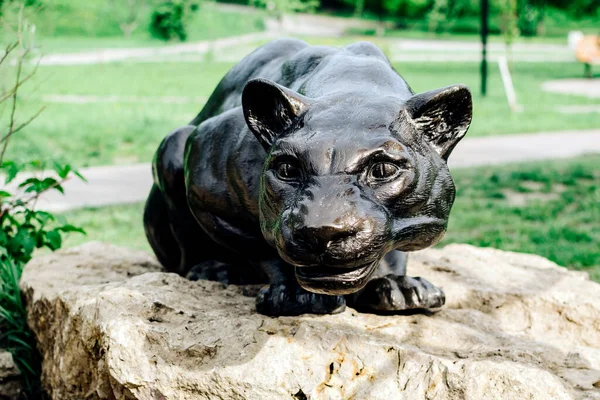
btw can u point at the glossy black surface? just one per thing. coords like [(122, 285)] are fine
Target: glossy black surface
[(313, 169)]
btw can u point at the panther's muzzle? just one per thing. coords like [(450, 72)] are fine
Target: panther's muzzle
[(335, 280)]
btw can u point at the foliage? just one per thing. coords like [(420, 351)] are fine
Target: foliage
[(22, 227), (407, 8), (169, 20), (278, 8), (14, 332), (532, 17)]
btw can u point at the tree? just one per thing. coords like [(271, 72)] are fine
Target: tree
[(169, 18)]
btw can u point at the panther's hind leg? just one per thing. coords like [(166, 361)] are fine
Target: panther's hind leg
[(391, 290), (158, 230), (174, 234)]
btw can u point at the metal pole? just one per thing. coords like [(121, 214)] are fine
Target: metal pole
[(484, 34)]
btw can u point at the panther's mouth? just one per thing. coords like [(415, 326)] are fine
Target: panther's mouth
[(334, 280)]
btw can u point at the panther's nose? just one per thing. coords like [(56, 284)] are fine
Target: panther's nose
[(320, 238)]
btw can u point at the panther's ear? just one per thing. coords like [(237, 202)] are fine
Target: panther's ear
[(442, 116), (270, 109)]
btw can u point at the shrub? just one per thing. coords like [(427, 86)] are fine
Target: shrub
[(168, 20)]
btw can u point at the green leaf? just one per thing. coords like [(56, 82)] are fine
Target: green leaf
[(22, 244), (37, 164), (19, 203), (53, 239), (4, 194), (43, 217), (36, 185), (70, 228), (40, 238), (12, 169), (29, 181), (51, 183), (29, 215), (79, 176), (62, 170)]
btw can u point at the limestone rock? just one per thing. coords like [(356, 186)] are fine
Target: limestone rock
[(10, 384), (110, 326)]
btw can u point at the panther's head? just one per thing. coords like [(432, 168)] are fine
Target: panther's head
[(351, 176)]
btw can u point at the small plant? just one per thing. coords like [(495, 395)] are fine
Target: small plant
[(23, 228), (168, 20), (14, 332)]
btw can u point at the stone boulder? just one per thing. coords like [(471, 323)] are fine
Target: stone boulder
[(10, 384), (110, 325)]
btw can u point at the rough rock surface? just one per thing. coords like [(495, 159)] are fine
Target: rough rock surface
[(10, 384), (515, 326)]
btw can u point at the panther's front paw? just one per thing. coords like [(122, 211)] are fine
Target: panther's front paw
[(281, 299), (397, 293)]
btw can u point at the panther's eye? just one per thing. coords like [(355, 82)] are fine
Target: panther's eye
[(288, 171), (383, 171)]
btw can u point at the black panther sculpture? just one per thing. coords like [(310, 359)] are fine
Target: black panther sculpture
[(313, 169)]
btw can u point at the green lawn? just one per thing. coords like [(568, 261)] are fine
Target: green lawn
[(67, 26), (546, 208), (116, 129), (120, 225)]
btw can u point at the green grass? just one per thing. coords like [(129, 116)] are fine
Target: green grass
[(129, 132), (549, 208), (70, 26), (546, 208), (120, 225)]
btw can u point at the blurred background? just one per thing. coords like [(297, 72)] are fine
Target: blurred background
[(88, 89), (106, 80)]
